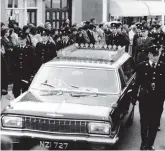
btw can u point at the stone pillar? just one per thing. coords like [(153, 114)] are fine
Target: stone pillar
[(76, 11), (40, 12), (3, 11), (105, 8), (163, 19), (92, 9)]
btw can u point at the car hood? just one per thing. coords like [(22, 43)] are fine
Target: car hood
[(63, 106)]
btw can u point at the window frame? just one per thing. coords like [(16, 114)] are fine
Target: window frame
[(132, 64), (123, 83)]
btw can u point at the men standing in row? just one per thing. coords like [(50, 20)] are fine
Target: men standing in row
[(151, 87)]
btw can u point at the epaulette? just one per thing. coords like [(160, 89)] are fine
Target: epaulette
[(142, 63), (162, 62)]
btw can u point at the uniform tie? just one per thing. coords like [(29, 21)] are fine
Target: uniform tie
[(153, 64)]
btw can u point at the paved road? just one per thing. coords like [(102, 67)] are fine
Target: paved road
[(130, 139)]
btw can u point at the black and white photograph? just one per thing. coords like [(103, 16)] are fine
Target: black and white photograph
[(82, 75)]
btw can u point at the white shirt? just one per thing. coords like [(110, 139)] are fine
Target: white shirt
[(131, 35), (151, 63)]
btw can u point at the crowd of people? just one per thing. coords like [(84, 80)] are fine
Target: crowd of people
[(24, 50)]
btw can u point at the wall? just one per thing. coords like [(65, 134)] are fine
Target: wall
[(92, 9), (2, 11), (76, 11)]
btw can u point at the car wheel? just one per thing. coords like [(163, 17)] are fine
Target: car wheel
[(131, 118)]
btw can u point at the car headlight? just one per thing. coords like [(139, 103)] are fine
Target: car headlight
[(99, 128), (12, 121)]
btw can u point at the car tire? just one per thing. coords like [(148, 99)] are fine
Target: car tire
[(131, 118)]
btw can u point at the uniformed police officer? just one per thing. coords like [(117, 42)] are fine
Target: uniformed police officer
[(142, 45), (151, 87), (157, 34), (161, 59), (50, 48), (90, 32), (23, 66), (41, 50), (136, 36), (59, 42), (116, 37)]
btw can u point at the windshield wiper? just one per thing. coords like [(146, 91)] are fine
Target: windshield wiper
[(81, 88), (52, 93), (49, 85)]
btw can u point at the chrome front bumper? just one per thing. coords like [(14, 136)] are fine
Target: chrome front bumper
[(88, 139)]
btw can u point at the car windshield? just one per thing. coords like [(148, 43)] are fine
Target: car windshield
[(87, 79)]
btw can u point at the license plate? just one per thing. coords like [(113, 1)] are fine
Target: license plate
[(55, 145)]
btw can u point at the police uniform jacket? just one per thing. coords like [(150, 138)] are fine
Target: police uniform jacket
[(134, 44), (23, 61), (59, 45), (141, 48), (4, 73), (40, 52), (50, 51), (158, 38), (150, 80), (117, 39)]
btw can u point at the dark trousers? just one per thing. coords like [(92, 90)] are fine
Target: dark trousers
[(150, 108), (19, 86)]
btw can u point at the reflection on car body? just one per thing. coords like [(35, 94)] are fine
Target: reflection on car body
[(81, 97)]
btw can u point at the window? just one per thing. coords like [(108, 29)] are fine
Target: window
[(128, 69), (64, 3), (105, 81), (123, 84), (48, 3), (56, 4), (31, 3), (12, 3), (32, 16), (57, 11)]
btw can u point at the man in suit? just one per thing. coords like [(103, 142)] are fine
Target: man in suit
[(91, 34), (150, 87)]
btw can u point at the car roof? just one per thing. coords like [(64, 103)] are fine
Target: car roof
[(108, 57)]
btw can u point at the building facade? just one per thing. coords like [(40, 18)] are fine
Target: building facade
[(54, 11)]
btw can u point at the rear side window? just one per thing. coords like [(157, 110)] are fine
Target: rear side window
[(123, 84), (128, 69)]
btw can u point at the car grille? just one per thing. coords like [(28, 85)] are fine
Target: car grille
[(55, 126)]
